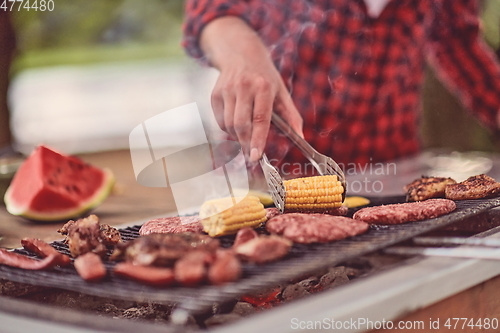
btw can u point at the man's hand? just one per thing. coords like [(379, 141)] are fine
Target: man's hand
[(249, 87)]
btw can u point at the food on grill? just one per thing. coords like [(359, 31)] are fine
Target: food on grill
[(44, 250), (20, 261), (272, 212), (355, 201), (222, 216), (339, 211), (264, 197), (426, 188), (313, 194), (314, 228), (163, 249), (194, 258), (226, 268), (88, 235), (263, 249), (50, 186), (191, 269), (155, 276), (172, 225), (405, 212), (244, 235), (475, 187), (90, 267)]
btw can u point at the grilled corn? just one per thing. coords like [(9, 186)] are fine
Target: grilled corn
[(313, 194), (227, 215)]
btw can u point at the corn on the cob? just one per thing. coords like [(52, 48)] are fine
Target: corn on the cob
[(313, 194), (222, 217)]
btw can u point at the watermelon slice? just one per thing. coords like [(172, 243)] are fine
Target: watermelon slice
[(50, 186)]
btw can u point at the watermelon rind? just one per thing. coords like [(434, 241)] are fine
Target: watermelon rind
[(85, 206)]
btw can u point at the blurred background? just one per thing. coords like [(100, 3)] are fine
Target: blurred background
[(88, 72)]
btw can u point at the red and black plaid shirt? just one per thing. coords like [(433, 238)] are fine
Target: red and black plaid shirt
[(355, 79)]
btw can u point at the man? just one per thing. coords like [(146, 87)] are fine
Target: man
[(346, 72)]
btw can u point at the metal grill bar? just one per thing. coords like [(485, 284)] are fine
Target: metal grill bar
[(302, 260)]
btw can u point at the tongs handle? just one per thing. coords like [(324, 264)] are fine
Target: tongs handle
[(309, 152)]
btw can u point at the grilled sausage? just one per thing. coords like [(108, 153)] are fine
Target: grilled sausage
[(190, 270), (226, 268), (18, 260), (90, 267), (155, 276), (44, 250)]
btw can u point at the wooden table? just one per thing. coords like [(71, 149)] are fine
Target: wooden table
[(129, 203)]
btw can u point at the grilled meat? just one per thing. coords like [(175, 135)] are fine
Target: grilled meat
[(110, 236), (44, 250), (244, 235), (88, 235), (263, 249), (339, 211), (405, 212), (272, 212), (163, 249), (475, 187), (90, 267), (154, 276), (18, 260), (172, 225), (313, 228), (226, 268), (191, 269), (426, 188)]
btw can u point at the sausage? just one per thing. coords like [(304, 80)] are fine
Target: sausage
[(154, 276), (18, 260), (190, 270), (90, 267), (44, 250), (226, 268), (264, 249), (243, 236)]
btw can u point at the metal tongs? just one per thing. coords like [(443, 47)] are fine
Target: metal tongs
[(473, 248), (324, 164)]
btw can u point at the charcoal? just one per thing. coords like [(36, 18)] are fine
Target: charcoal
[(244, 309), (309, 283), (294, 291), (335, 277)]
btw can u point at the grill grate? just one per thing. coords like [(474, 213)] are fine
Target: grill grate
[(302, 260)]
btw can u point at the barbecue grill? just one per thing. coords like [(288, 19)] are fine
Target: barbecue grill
[(303, 260)]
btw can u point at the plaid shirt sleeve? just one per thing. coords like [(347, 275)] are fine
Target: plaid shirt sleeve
[(463, 61), (198, 13)]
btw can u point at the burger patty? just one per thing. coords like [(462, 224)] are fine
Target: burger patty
[(427, 187), (175, 224), (315, 228), (475, 187), (405, 212)]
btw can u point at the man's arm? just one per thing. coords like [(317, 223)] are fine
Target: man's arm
[(463, 61), (249, 87)]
